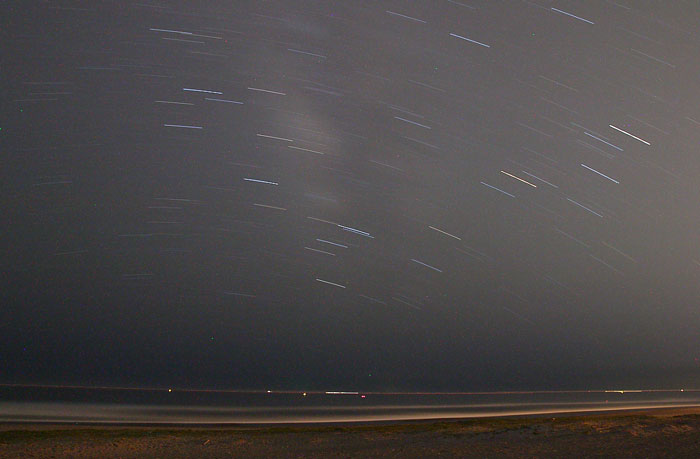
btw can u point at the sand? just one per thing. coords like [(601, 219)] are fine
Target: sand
[(655, 433)]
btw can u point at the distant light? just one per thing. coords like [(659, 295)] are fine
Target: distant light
[(304, 394), (170, 390), (363, 396), (269, 391)]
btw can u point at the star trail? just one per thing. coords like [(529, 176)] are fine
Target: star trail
[(418, 195)]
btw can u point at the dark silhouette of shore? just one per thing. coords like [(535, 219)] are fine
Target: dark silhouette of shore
[(650, 433)]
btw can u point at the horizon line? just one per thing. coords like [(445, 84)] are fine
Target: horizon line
[(338, 392)]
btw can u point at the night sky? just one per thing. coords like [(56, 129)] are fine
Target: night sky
[(357, 195)]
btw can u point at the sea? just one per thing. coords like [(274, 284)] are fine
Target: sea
[(173, 406)]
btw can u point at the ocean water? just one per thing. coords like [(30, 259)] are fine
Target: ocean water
[(176, 406)]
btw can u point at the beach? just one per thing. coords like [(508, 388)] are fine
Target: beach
[(649, 433)]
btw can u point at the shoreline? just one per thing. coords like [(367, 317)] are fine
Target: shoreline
[(660, 432), (661, 411)]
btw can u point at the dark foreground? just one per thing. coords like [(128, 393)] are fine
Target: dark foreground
[(670, 433)]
